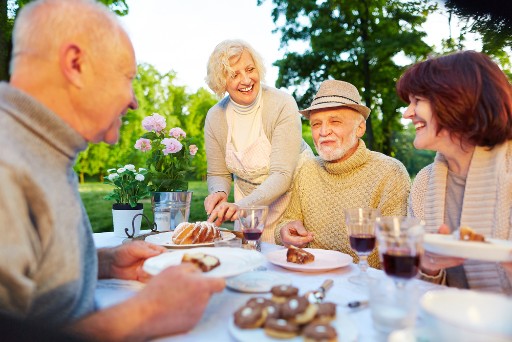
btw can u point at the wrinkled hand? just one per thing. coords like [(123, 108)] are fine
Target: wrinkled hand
[(175, 300), (294, 233), (213, 200), (432, 263), (223, 212), (126, 260)]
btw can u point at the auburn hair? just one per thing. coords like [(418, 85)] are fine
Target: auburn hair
[(470, 96)]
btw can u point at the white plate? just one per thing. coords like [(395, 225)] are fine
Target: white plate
[(233, 261), (346, 328), (325, 260), (165, 239), (491, 250), (257, 282)]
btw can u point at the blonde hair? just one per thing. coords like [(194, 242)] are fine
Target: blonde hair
[(43, 25), (218, 68)]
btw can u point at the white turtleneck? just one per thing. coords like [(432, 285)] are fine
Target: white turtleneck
[(245, 121)]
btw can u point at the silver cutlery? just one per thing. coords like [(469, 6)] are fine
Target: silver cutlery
[(318, 296)]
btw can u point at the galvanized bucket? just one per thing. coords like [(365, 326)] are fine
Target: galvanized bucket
[(170, 209)]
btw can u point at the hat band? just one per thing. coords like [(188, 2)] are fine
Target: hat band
[(320, 97)]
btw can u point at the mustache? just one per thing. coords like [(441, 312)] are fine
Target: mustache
[(324, 140)]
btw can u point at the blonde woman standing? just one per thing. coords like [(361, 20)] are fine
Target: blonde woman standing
[(253, 136)]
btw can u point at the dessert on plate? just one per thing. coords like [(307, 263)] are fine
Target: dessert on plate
[(205, 262), (187, 233), (299, 256), (468, 234)]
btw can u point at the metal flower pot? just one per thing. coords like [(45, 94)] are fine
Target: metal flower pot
[(170, 209)]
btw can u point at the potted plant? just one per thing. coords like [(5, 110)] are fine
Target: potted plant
[(169, 160), (130, 186)]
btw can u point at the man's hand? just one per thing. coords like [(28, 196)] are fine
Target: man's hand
[(294, 233), (125, 261), (171, 303)]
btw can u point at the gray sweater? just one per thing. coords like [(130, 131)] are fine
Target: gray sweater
[(49, 263)]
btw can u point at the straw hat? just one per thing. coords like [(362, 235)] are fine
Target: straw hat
[(334, 93)]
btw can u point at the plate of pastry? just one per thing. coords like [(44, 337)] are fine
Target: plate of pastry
[(342, 329), (231, 261), (309, 259), (190, 235), (469, 245)]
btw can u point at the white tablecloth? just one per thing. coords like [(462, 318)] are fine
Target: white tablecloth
[(214, 324)]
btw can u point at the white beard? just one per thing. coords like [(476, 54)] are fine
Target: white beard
[(339, 151)]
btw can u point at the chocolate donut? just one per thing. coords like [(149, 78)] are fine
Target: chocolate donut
[(326, 312), (298, 310), (281, 328), (250, 317), (256, 301), (271, 308), (280, 293), (319, 332)]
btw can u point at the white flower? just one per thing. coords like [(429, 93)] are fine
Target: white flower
[(121, 170), (111, 170), (130, 167), (113, 176), (139, 177)]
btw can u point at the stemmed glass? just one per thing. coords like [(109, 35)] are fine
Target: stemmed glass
[(400, 242), (361, 231), (252, 222)]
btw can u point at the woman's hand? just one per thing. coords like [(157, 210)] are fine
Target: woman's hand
[(294, 233), (213, 200), (126, 260), (432, 263), (223, 212)]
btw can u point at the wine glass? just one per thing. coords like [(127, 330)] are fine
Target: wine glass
[(252, 222), (361, 231), (400, 242)]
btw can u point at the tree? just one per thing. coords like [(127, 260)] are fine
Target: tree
[(8, 12), (492, 21), (355, 41)]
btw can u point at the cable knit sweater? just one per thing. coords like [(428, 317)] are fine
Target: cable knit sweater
[(322, 190), (486, 206), (48, 267)]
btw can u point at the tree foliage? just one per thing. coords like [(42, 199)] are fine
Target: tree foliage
[(354, 41), (155, 92)]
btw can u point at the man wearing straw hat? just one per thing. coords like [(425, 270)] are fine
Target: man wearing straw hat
[(345, 174)]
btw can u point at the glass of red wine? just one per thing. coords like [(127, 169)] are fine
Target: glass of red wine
[(252, 222), (400, 242), (361, 232)]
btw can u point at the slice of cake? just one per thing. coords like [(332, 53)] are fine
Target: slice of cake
[(205, 262), (468, 234), (299, 256)]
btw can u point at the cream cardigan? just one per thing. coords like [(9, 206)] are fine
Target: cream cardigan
[(486, 206)]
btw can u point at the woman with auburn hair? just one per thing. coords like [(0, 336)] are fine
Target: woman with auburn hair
[(253, 135), (461, 107)]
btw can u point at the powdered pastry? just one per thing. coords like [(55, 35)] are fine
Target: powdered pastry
[(187, 233)]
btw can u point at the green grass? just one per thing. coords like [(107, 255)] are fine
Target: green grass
[(100, 210)]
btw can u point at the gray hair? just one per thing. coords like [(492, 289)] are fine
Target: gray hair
[(218, 68), (43, 25)]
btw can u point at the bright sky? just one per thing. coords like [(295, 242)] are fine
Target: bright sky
[(180, 35)]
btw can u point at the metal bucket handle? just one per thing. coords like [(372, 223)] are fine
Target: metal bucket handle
[(152, 226)]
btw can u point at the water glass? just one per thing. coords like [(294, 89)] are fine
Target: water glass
[(391, 307), (251, 221)]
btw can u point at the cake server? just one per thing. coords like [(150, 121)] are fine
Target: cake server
[(318, 296)]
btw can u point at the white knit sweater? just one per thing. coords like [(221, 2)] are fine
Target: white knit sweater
[(486, 206)]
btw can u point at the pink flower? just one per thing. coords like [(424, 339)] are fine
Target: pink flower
[(155, 122), (172, 145), (177, 133), (193, 150), (143, 144)]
